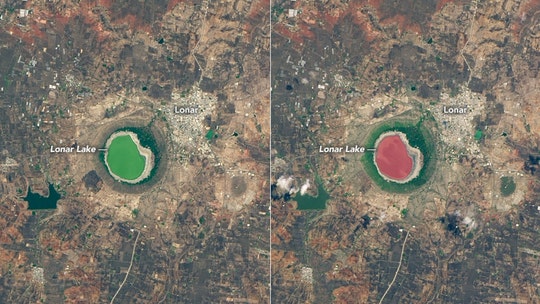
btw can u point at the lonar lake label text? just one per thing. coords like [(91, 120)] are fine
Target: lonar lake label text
[(345, 149)]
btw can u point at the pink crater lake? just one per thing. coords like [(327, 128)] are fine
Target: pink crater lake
[(393, 159)]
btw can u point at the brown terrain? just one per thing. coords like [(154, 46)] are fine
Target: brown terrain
[(73, 72), (338, 69)]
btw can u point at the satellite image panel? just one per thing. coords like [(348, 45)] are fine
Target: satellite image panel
[(134, 151), (405, 151)]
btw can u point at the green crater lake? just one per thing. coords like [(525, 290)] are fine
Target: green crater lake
[(124, 159)]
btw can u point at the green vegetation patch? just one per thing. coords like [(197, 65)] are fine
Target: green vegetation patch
[(418, 137), (478, 135), (124, 158), (508, 186), (210, 134), (404, 212)]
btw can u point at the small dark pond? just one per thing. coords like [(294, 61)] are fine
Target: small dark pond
[(38, 202)]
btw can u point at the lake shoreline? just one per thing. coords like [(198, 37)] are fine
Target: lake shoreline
[(414, 153), (145, 152)]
